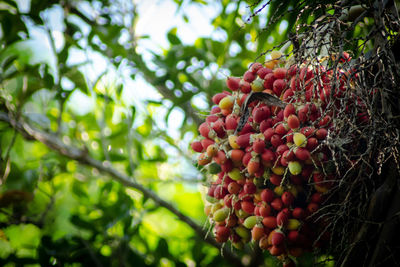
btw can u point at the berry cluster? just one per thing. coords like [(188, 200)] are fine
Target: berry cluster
[(272, 175)]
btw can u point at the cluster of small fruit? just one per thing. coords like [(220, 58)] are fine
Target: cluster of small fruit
[(271, 177)]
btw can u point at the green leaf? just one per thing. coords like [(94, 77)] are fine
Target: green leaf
[(173, 38), (77, 78)]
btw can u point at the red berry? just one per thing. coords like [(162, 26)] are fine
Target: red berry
[(233, 83), (258, 146), (281, 129), (312, 143), (247, 207), (321, 133), (287, 95), (236, 155), (282, 218), (206, 143), (215, 110), (245, 87), (246, 158), (293, 236), (265, 124), (287, 198), (218, 97), (280, 73), (275, 179), (249, 188), (249, 76), (270, 222), (269, 81), (275, 251), (234, 188), (278, 86), (268, 134), (277, 238), (302, 153), (260, 114), (312, 207), (267, 195), (277, 204), (293, 121), (267, 156), (204, 130), (298, 213), (231, 122), (289, 110), (292, 71), (317, 198), (220, 192), (255, 67), (262, 72), (243, 140), (257, 232), (253, 166), (196, 146), (265, 210), (276, 140)]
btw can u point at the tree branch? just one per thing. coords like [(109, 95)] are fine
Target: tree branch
[(82, 156)]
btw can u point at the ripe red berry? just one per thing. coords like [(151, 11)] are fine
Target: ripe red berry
[(233, 83), (249, 76), (278, 86), (277, 238), (312, 143), (262, 72), (253, 166), (245, 87), (206, 143), (293, 236), (249, 188), (218, 97), (277, 204), (298, 213), (267, 195), (265, 210), (293, 121), (196, 146), (268, 157), (275, 179), (261, 113), (282, 218), (269, 81), (246, 158), (276, 140), (289, 110), (312, 207), (243, 140), (281, 129), (302, 153), (247, 207), (258, 146), (270, 222), (257, 232), (321, 133), (280, 73), (287, 198), (255, 67), (287, 95), (234, 188), (268, 134)]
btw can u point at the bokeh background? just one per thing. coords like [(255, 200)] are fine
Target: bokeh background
[(125, 84)]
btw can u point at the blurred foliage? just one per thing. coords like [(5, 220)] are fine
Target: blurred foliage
[(55, 211)]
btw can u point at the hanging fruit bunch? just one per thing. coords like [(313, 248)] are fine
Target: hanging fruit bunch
[(264, 144)]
